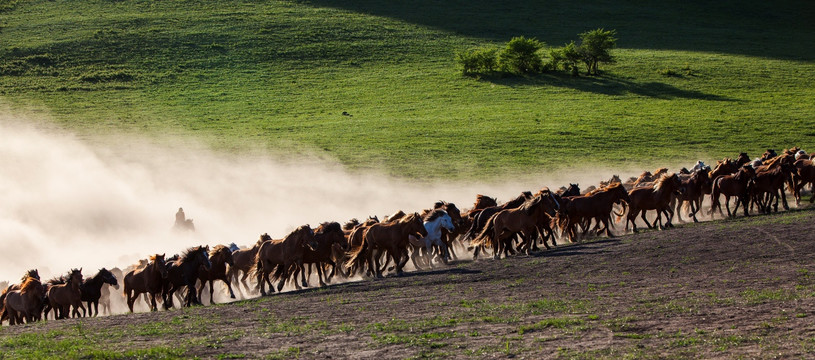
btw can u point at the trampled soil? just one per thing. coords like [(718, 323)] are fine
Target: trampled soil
[(742, 288)]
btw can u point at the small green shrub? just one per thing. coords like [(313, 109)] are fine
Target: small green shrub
[(521, 56), (477, 61)]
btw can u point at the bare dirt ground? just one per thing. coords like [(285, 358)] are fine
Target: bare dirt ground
[(741, 288)]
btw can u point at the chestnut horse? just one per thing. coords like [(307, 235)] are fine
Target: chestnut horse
[(693, 193), (61, 297), (243, 260), (149, 280), (732, 185), (184, 273), (502, 227), (574, 210), (480, 219), (92, 289), (220, 256), (654, 197), (770, 179), (804, 174), (392, 237), (25, 303), (326, 236), (355, 240), (283, 255)]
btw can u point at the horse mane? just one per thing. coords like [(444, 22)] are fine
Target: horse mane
[(217, 249), (351, 224), (29, 284), (531, 204), (189, 254), (484, 198), (435, 214), (518, 201), (328, 227), (440, 203), (662, 180), (33, 273)]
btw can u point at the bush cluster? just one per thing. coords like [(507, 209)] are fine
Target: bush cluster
[(522, 56)]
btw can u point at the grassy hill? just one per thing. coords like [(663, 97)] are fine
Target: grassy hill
[(278, 75)]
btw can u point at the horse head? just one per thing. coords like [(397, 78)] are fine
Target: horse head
[(414, 224), (109, 278), (159, 265)]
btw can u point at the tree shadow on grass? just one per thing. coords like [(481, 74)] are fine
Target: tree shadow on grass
[(603, 85)]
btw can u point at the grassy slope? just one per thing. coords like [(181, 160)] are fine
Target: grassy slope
[(278, 75)]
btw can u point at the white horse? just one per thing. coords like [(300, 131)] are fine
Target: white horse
[(433, 223)]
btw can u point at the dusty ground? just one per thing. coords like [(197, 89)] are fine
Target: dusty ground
[(742, 288)]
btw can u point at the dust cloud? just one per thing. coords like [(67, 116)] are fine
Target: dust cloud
[(70, 203)]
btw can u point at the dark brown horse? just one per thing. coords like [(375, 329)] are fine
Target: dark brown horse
[(732, 185), (92, 289), (391, 237), (283, 255), (149, 280), (183, 273), (693, 193), (770, 178), (24, 303), (480, 219), (244, 260), (63, 297), (355, 240), (576, 210), (654, 197), (220, 256), (502, 227), (326, 236)]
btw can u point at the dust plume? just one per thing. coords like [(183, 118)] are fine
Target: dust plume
[(69, 204)]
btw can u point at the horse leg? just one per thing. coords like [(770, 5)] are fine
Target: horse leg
[(644, 218), (783, 197), (400, 259)]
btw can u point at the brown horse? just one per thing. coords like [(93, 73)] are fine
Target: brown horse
[(25, 303), (458, 221), (62, 297), (149, 279), (502, 227), (283, 255), (355, 240), (656, 197), (392, 237), (184, 273), (484, 215), (326, 236), (769, 181), (33, 273), (104, 299), (732, 185), (647, 177), (575, 210), (243, 260), (481, 202), (804, 174), (220, 256), (693, 193)]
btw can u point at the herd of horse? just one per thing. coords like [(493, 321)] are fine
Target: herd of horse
[(372, 248)]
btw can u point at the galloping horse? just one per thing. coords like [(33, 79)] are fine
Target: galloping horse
[(104, 299), (434, 223), (480, 219), (732, 185), (503, 226), (243, 261), (326, 236), (149, 279), (283, 255), (220, 256), (392, 237), (355, 240), (693, 192), (25, 303), (184, 273), (92, 289), (654, 197), (574, 210), (61, 297), (447, 236), (770, 179), (804, 174)]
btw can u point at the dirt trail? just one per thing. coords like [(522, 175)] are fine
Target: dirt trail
[(722, 289)]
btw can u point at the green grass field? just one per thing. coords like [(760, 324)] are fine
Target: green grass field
[(277, 76)]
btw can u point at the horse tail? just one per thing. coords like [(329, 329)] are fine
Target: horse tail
[(473, 227), (714, 197), (484, 237), (621, 213), (355, 258), (257, 267)]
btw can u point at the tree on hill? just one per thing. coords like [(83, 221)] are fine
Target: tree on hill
[(595, 46)]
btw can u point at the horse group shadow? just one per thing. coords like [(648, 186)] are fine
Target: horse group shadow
[(587, 248)]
